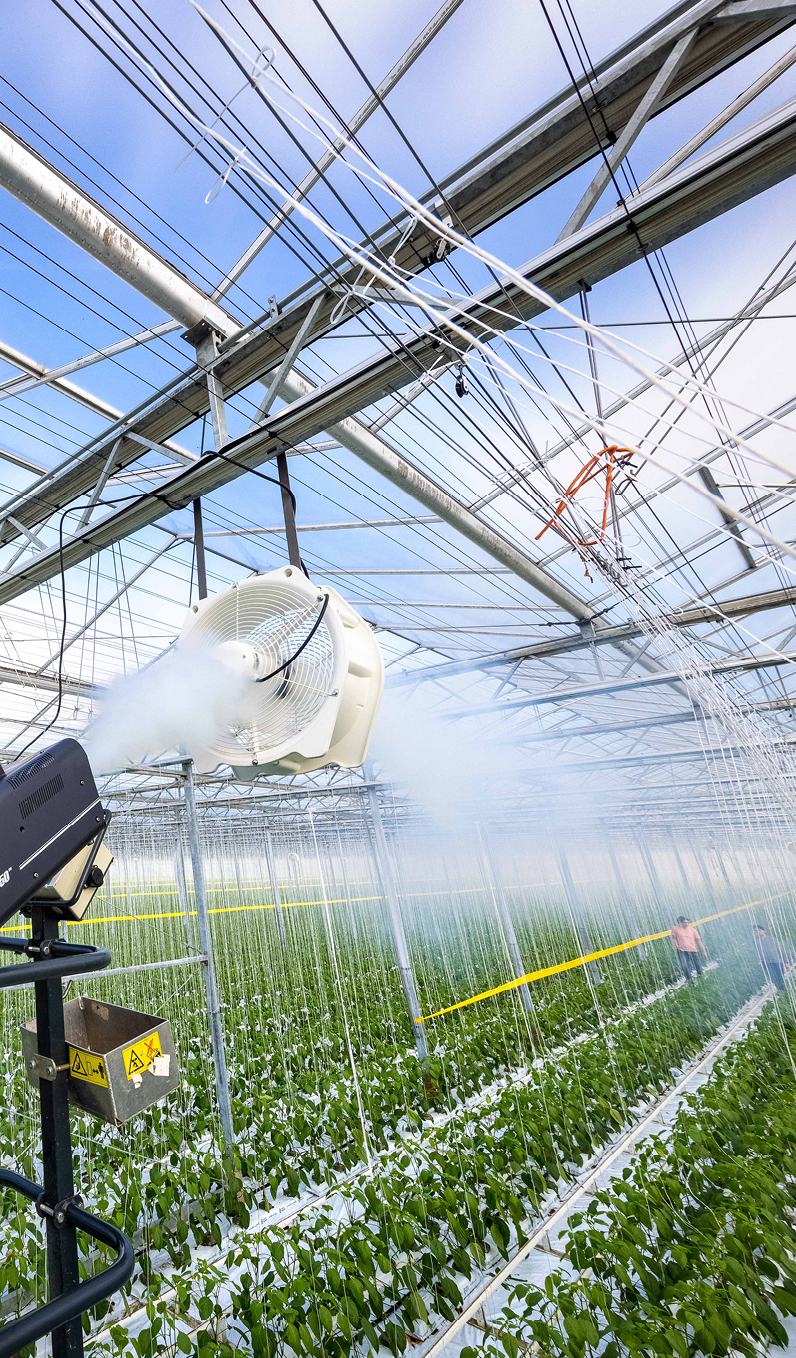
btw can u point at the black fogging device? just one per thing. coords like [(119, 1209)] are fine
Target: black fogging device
[(50, 817), (52, 827)]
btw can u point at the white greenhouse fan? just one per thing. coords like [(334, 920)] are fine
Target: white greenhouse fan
[(316, 672)]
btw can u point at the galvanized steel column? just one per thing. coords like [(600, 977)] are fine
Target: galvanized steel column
[(208, 963)]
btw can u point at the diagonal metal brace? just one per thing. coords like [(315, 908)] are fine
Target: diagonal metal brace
[(640, 118)]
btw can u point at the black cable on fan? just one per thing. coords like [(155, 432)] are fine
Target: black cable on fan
[(304, 643)]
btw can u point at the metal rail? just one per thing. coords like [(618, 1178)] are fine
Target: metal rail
[(62, 1311)]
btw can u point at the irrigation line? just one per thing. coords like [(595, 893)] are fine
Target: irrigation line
[(560, 1213)]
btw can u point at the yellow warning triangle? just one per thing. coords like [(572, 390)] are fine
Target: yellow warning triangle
[(136, 1063)]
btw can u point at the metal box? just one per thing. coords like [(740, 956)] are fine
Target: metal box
[(120, 1061)]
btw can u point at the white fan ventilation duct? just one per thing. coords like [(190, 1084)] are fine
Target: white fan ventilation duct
[(316, 672)]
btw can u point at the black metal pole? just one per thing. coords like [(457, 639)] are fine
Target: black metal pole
[(199, 547), (294, 555), (62, 1257)]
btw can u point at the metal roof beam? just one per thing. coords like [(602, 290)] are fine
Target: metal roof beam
[(726, 610), (551, 142), (635, 723), (756, 158), (698, 753), (39, 376), (32, 679), (578, 691), (556, 138)]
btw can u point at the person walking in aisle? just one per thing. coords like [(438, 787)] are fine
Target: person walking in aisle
[(686, 943), (771, 957)]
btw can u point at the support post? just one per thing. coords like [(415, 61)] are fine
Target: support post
[(390, 892), (208, 964), (703, 871), (678, 859), (275, 384), (62, 1258), (204, 340), (182, 891), (495, 886), (573, 902), (269, 858), (620, 882), (652, 872), (347, 889)]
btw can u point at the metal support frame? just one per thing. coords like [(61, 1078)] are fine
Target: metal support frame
[(678, 860), (727, 114), (128, 584), (604, 635), (641, 951), (576, 691), (37, 375), (697, 852), (652, 872), (753, 160), (371, 104), (62, 1256), (390, 893), (100, 486), (302, 339), (277, 894), (208, 963), (347, 889), (613, 158), (204, 339), (733, 527), (495, 887), (578, 917), (706, 342)]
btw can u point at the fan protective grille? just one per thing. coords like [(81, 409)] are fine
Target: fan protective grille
[(274, 618)]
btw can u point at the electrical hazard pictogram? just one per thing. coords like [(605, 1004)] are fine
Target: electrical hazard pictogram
[(87, 1066), (141, 1055)]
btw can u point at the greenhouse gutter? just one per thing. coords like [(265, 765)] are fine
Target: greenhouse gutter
[(559, 1214)]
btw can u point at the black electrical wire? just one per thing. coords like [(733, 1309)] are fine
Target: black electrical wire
[(51, 723), (100, 189), (214, 166), (243, 468), (304, 644)]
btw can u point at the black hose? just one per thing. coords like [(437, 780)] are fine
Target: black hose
[(67, 959), (18, 1334)]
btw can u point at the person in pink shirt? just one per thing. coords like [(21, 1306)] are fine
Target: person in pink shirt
[(686, 943)]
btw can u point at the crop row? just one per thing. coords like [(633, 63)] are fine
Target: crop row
[(391, 1253), (693, 1251)]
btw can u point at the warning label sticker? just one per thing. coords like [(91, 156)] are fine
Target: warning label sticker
[(141, 1055), (86, 1066)]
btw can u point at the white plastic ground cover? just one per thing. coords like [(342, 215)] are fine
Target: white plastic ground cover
[(284, 1213)]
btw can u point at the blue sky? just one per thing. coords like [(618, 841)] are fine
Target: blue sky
[(489, 67)]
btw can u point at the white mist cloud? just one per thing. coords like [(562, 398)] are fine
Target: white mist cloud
[(444, 764), (182, 702)]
